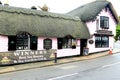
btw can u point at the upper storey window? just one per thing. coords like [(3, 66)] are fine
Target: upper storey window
[(104, 22)]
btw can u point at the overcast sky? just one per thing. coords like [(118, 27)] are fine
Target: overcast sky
[(57, 6)]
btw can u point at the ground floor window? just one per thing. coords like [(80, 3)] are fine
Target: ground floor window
[(101, 41), (22, 41), (66, 42), (47, 43)]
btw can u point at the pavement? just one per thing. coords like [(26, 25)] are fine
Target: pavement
[(33, 65)]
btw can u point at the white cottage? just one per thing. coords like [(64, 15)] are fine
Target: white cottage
[(31, 35), (101, 20)]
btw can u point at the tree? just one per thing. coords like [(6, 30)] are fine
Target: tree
[(117, 31)]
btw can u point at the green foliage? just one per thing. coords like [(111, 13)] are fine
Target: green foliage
[(117, 32)]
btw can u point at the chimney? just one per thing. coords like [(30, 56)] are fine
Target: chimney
[(33, 7)]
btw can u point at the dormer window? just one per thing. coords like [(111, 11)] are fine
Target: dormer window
[(104, 22)]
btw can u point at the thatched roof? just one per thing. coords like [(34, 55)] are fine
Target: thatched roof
[(39, 23), (91, 10)]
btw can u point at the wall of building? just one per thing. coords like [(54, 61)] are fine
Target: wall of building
[(69, 51), (93, 27), (40, 43), (92, 48), (60, 52), (3, 43), (112, 23)]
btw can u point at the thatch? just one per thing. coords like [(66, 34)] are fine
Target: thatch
[(91, 10), (39, 23)]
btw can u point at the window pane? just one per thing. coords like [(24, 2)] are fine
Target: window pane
[(104, 22), (47, 43), (60, 42), (22, 41), (101, 41), (64, 43), (33, 42), (11, 43)]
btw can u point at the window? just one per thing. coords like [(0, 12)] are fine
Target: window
[(101, 41), (104, 22), (66, 43), (12, 43), (22, 41), (33, 42), (47, 43)]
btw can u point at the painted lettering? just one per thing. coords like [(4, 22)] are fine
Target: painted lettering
[(16, 53)]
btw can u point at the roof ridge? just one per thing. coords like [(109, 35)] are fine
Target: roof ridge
[(28, 11), (89, 11)]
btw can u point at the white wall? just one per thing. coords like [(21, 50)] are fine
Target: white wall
[(92, 28), (112, 25), (60, 52), (3, 43), (40, 43), (69, 51), (92, 48)]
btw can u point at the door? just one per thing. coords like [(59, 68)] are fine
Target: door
[(83, 43)]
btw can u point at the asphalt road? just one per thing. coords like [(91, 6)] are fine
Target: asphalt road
[(117, 45), (103, 68)]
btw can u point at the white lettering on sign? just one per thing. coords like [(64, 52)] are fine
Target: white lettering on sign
[(28, 56)]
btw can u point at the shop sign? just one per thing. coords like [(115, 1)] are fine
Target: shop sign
[(91, 41), (26, 56), (85, 51), (104, 32)]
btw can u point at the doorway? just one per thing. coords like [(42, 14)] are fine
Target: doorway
[(83, 43)]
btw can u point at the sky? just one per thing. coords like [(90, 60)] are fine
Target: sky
[(57, 6)]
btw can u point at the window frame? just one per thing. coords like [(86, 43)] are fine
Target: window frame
[(101, 41), (11, 43), (21, 42), (104, 22), (47, 43), (67, 43)]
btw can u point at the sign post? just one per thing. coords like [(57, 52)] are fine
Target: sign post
[(55, 54)]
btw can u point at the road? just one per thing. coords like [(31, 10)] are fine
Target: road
[(116, 45), (103, 68)]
